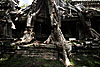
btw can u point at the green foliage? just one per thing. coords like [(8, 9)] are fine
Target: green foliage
[(24, 5), (25, 61), (66, 0), (85, 61)]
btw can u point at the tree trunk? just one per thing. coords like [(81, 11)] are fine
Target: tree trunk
[(28, 33), (56, 33)]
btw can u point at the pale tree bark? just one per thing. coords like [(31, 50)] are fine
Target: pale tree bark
[(28, 33)]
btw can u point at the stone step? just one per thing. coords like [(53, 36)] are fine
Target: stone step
[(87, 51), (40, 53), (46, 51), (37, 45)]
